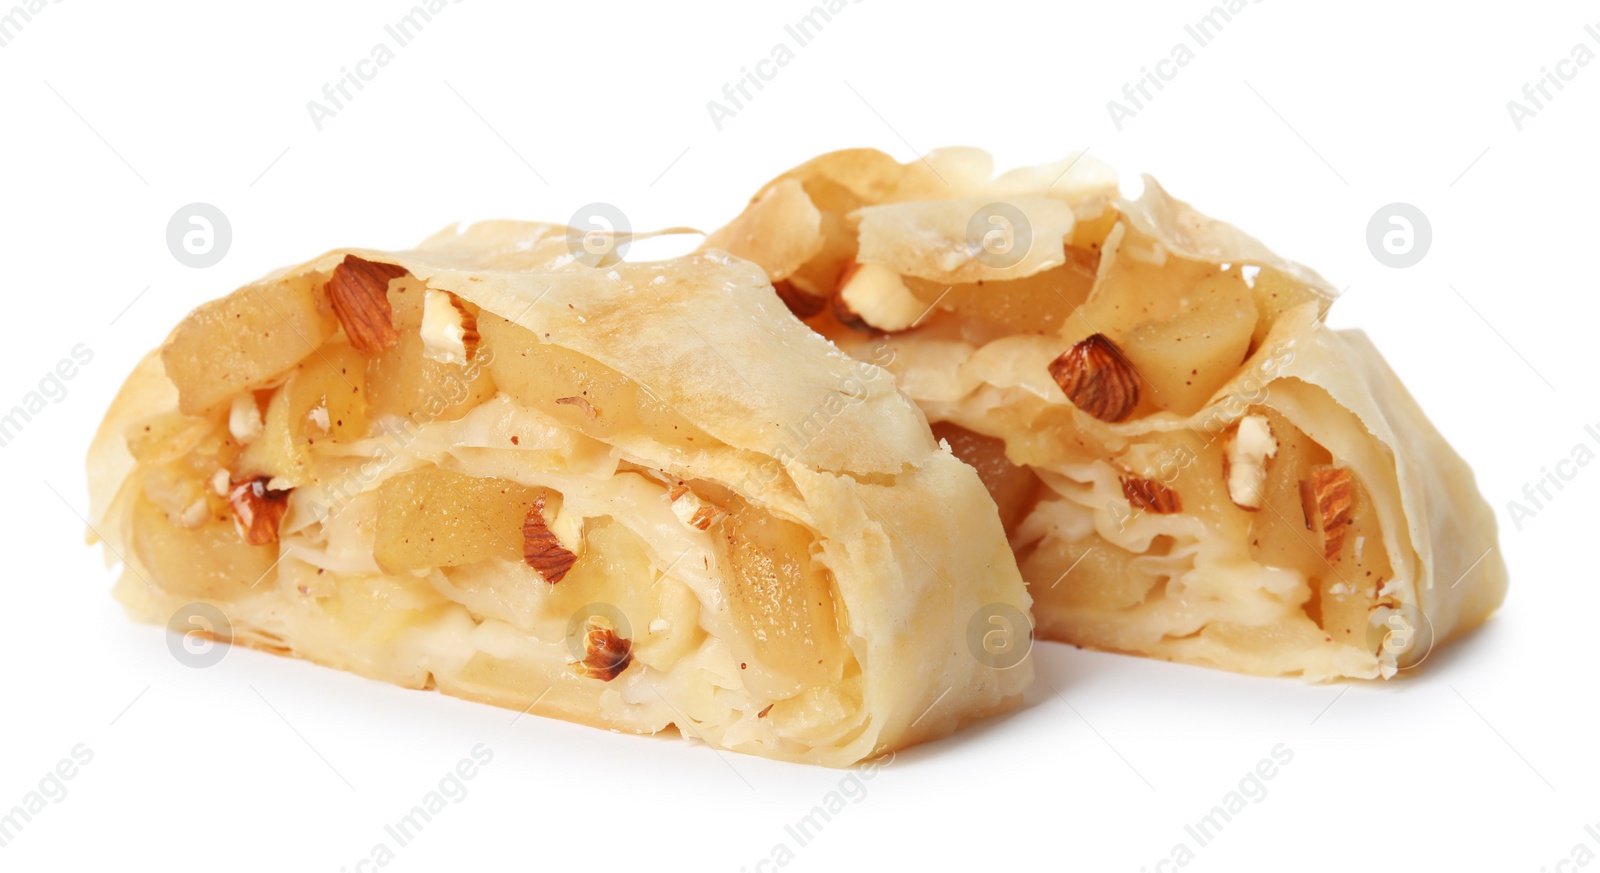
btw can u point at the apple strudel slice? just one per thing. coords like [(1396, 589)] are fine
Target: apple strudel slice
[(638, 496), (1189, 463)]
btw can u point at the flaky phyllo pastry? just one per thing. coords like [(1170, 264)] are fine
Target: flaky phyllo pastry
[(1188, 463), (634, 495)]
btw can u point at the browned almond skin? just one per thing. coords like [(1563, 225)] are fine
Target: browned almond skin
[(607, 654), (257, 512), (359, 293), (800, 303), (1150, 495), (541, 549), (841, 310), (848, 316), (701, 520), (1097, 378), (1327, 497), (469, 328), (582, 404)]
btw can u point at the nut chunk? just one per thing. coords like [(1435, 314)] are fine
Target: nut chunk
[(1151, 495), (542, 549), (1327, 496), (606, 655), (257, 510), (1097, 378), (874, 297), (359, 292), (1244, 464)]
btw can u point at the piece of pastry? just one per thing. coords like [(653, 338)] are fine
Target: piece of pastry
[(1189, 464), (636, 496)]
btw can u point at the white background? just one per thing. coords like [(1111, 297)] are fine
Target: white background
[(1296, 122)]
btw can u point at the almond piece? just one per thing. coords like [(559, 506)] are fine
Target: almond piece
[(702, 518), (1097, 378), (872, 297), (470, 338), (582, 404), (449, 331), (1151, 495), (257, 510), (801, 303), (692, 509), (1326, 497), (606, 655), (541, 548), (359, 292), (244, 418), (1244, 463)]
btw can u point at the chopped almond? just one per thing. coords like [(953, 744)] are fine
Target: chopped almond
[(469, 328), (257, 510), (1151, 495), (542, 549), (800, 303), (692, 509), (1098, 378), (582, 404), (359, 292), (1244, 462), (449, 329), (606, 655), (873, 297), (702, 518), (1327, 497)]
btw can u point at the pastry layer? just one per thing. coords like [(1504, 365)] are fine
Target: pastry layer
[(637, 496), (1189, 463)]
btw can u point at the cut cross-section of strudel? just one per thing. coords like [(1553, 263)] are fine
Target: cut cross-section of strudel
[(637, 496), (1189, 464)]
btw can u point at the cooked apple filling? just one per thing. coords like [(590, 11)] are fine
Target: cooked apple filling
[(364, 464), (1188, 463)]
